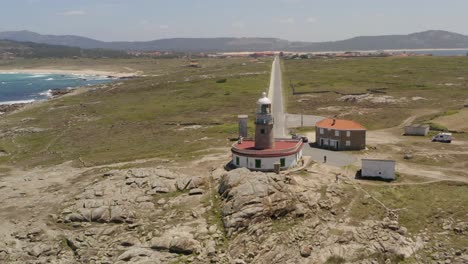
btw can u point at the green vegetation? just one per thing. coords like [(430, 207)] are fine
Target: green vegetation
[(214, 215), (172, 115), (436, 127), (414, 82), (35, 50), (421, 206), (302, 130), (335, 260), (450, 112)]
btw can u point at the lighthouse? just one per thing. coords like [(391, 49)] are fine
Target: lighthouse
[(264, 152), (264, 124)]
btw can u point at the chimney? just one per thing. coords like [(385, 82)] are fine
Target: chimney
[(334, 121)]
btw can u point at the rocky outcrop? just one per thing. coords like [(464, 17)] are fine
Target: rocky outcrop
[(162, 215), (60, 92), (154, 219), (118, 202), (7, 108), (176, 242), (251, 197), (291, 219)]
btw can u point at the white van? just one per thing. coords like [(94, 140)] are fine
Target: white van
[(443, 137)]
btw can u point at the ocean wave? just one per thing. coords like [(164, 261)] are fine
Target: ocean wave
[(47, 93), (37, 76), (98, 78), (49, 79), (17, 102)]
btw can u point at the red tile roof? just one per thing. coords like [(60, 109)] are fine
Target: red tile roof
[(282, 147), (339, 124)]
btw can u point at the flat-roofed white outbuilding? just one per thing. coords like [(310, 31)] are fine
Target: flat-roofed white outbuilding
[(377, 168), (417, 130)]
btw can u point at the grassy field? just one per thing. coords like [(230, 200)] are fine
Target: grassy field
[(174, 112), (412, 84), (422, 209)]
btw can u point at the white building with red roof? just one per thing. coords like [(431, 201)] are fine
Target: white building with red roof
[(263, 152)]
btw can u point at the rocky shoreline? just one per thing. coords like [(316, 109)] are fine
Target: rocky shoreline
[(54, 93), (7, 108)]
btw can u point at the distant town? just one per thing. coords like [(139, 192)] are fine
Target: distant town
[(290, 55)]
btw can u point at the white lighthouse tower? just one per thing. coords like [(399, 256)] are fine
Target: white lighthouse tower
[(264, 124), (265, 153)]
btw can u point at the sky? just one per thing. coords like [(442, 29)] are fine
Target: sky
[(295, 20)]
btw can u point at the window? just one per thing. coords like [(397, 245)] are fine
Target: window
[(258, 163), (348, 143), (262, 131), (283, 162), (337, 133), (321, 131), (237, 161), (348, 133)]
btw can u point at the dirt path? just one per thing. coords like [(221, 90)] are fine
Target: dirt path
[(390, 144)]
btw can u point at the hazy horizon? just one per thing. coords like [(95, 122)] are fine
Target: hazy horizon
[(294, 20)]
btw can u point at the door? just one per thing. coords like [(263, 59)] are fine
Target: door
[(258, 163), (337, 145)]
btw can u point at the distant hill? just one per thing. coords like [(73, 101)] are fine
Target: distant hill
[(424, 40), (433, 39), (39, 50)]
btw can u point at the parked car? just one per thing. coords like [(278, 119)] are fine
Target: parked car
[(303, 138), (443, 137)]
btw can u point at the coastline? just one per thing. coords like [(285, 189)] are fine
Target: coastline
[(12, 106), (84, 72)]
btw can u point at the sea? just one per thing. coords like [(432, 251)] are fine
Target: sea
[(441, 52), (26, 88)]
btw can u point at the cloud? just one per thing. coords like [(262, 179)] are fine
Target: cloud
[(72, 13), (163, 26), (311, 20), (288, 20)]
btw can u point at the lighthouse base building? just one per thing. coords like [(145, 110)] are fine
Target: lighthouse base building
[(285, 152)]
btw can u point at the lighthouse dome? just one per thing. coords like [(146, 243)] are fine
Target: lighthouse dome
[(264, 100)]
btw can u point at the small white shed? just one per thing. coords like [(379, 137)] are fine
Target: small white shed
[(373, 168), (416, 130)]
